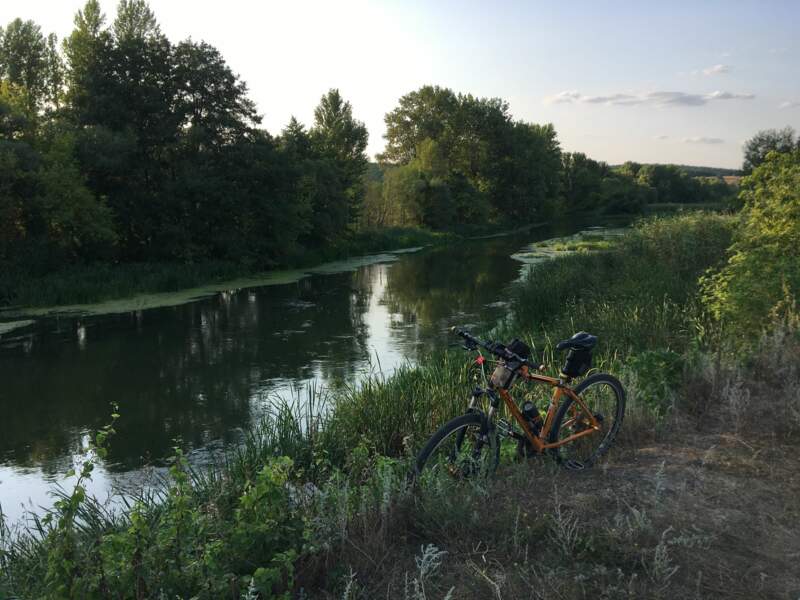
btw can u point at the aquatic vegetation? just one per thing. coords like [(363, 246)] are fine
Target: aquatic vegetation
[(588, 240), (12, 325)]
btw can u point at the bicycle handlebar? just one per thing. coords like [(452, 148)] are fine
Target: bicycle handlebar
[(495, 348)]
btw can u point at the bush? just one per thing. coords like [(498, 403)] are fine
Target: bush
[(762, 275)]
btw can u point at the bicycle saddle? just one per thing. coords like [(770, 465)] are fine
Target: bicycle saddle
[(579, 341)]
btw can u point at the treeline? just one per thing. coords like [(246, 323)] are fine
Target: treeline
[(696, 171), (123, 146), (453, 160), (120, 146)]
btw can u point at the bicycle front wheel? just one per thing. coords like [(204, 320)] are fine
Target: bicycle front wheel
[(604, 396), (465, 447)]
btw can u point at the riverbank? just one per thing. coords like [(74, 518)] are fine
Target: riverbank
[(103, 282), (108, 283), (340, 520)]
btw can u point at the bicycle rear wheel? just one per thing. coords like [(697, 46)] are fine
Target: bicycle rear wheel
[(466, 446), (604, 396)]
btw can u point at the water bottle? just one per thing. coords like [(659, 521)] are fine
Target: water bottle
[(532, 416)]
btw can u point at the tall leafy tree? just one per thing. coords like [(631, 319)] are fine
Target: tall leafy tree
[(295, 140), (24, 60), (336, 134), (55, 74), (83, 50), (513, 165), (135, 21), (430, 112), (18, 165), (210, 100), (340, 140), (761, 144)]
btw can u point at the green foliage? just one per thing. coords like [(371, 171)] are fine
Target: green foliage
[(588, 185), (674, 184), (657, 375), (637, 296), (463, 160), (761, 279), (132, 148), (758, 147), (425, 192), (27, 60), (241, 535)]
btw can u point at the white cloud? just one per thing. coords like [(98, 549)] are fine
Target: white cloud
[(621, 99), (661, 137), (650, 98), (789, 104), (716, 70), (703, 140), (729, 96), (563, 98)]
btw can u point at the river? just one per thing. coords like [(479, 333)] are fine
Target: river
[(202, 371)]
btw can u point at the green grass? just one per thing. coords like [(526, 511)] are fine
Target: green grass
[(254, 522), (638, 295)]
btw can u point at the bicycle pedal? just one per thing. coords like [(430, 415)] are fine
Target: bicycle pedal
[(574, 465)]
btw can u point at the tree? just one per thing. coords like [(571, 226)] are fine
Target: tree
[(76, 224), (514, 165), (210, 100), (531, 184), (671, 183), (337, 135), (761, 279), (581, 178), (54, 73), (295, 141), (761, 144), (340, 139), (24, 60), (426, 113), (18, 165), (82, 49), (135, 21)]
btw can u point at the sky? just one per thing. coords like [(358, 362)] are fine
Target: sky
[(679, 82)]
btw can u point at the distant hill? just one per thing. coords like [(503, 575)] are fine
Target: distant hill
[(701, 171), (709, 171)]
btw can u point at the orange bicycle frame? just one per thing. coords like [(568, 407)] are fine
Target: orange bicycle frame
[(560, 389)]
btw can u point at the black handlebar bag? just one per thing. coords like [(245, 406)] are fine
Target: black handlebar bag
[(505, 373)]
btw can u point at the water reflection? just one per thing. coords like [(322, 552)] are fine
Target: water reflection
[(202, 371)]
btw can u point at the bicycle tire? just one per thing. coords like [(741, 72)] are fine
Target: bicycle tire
[(458, 428), (561, 454)]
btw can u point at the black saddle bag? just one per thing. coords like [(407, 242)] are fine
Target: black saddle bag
[(578, 362)]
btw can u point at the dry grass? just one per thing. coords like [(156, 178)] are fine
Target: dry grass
[(702, 504), (711, 515)]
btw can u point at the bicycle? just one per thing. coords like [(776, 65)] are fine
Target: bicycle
[(578, 428)]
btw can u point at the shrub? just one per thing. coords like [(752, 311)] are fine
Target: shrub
[(762, 274)]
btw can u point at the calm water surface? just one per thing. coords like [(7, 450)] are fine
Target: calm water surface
[(204, 371)]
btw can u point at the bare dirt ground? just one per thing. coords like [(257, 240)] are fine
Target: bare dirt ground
[(702, 515)]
